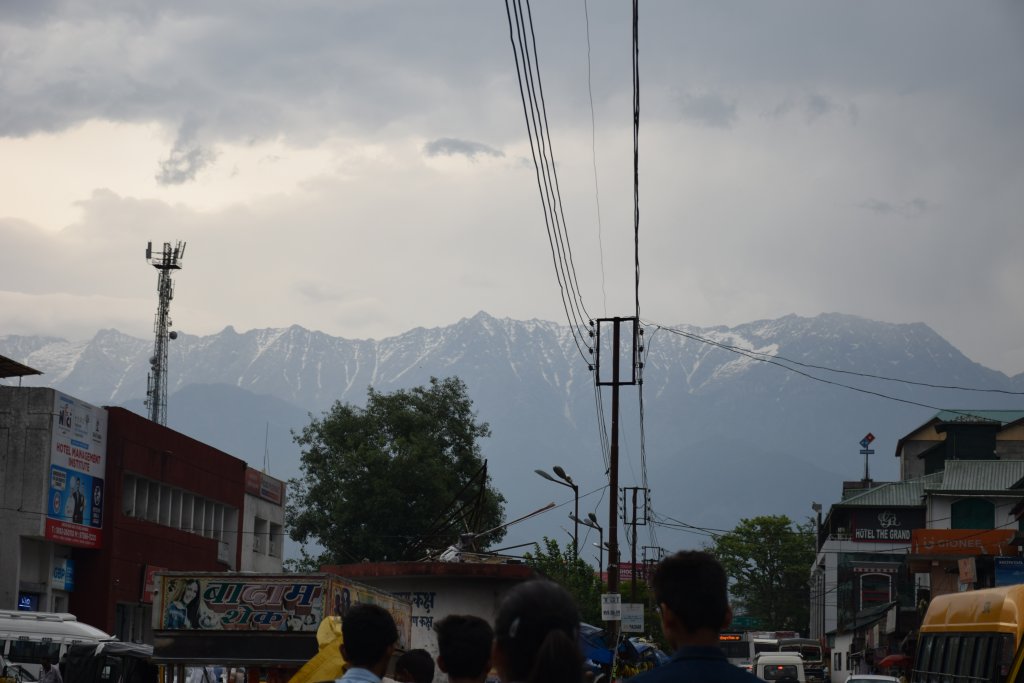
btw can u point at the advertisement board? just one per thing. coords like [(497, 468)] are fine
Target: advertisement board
[(1009, 570), (961, 541), (78, 454), (269, 602), (884, 525)]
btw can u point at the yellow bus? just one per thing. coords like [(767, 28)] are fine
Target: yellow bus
[(972, 637)]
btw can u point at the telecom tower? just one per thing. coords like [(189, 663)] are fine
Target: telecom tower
[(156, 381)]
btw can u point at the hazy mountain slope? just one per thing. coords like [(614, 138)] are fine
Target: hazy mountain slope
[(726, 436)]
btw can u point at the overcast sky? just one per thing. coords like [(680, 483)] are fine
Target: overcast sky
[(362, 168)]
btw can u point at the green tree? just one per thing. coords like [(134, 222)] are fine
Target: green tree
[(574, 575), (394, 480), (768, 560)]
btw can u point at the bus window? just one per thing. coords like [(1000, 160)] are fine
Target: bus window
[(937, 658), (924, 656), (981, 657), (34, 651), (949, 661), (966, 657), (1004, 657)]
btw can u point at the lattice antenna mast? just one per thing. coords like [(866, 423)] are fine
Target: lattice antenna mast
[(156, 381)]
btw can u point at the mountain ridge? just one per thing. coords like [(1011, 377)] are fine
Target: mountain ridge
[(710, 414)]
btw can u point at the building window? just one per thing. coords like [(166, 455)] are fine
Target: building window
[(875, 589), (972, 513), (176, 508)]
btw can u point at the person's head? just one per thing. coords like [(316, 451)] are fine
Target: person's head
[(536, 635), (368, 637), (691, 590), (464, 646), (46, 665), (190, 592), (415, 666)]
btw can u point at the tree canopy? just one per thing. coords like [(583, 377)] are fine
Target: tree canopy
[(768, 560), (394, 480), (562, 566)]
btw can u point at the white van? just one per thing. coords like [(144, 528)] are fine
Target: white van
[(33, 637), (780, 667)]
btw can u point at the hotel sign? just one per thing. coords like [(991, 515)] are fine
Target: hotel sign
[(884, 525)]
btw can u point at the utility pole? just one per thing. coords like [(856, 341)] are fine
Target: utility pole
[(156, 380), (615, 382), (636, 520)]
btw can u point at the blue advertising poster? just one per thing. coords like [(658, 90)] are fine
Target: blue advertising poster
[(74, 500), (1009, 570)]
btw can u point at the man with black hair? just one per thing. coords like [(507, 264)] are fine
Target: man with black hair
[(464, 648), (415, 666), (368, 634), (691, 590)]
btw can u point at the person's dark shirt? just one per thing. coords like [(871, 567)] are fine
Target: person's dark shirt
[(693, 664)]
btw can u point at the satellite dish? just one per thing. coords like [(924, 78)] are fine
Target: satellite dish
[(173, 335), (152, 360)]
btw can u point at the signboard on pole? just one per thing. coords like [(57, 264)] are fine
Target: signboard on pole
[(611, 607), (632, 617)]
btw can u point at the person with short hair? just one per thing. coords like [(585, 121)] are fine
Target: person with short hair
[(536, 635), (50, 673), (692, 593), (369, 635), (464, 648), (415, 666)]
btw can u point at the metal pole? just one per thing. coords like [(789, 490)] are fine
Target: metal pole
[(613, 469), (576, 521), (632, 586)]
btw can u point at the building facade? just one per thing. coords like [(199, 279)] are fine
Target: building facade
[(96, 500)]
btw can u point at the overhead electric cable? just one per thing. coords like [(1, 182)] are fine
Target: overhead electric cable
[(770, 360), (516, 29), (593, 156), (855, 373)]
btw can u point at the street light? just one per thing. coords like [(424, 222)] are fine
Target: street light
[(565, 480), (592, 523)]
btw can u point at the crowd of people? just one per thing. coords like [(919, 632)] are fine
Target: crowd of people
[(535, 638)]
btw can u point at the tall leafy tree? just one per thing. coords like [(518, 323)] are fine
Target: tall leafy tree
[(393, 480), (562, 566), (768, 560)]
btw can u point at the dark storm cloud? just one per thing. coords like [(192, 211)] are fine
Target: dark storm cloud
[(453, 146), (708, 109)]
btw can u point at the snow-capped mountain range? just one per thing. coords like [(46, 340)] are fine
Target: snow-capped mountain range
[(729, 432)]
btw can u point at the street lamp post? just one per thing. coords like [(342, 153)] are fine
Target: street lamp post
[(591, 522), (565, 480)]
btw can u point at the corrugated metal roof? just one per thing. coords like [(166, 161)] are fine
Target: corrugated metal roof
[(12, 368), (1003, 417), (980, 475), (895, 493)]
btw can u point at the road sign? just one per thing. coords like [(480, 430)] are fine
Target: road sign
[(611, 607), (632, 617), (868, 451), (744, 622)]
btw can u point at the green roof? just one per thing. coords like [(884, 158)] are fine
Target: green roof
[(907, 493), (1003, 417), (980, 475)]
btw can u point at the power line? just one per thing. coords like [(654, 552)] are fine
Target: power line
[(535, 117), (593, 156), (763, 358), (867, 375)]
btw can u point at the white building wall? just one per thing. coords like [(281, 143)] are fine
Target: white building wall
[(26, 558), (940, 510), (262, 549)]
